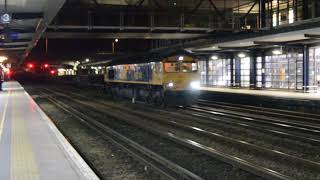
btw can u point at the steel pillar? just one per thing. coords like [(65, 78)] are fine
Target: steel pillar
[(232, 71), (253, 71), (207, 72), (263, 69), (306, 68), (305, 9), (317, 8), (262, 13), (237, 66)]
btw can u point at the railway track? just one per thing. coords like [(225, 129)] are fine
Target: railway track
[(162, 165), (305, 116), (295, 160)]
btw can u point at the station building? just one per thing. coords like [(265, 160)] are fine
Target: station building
[(284, 53)]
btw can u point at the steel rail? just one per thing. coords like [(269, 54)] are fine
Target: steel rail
[(157, 162), (272, 111), (282, 155), (233, 160), (249, 124), (261, 128), (267, 121)]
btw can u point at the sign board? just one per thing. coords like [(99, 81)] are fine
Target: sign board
[(5, 18)]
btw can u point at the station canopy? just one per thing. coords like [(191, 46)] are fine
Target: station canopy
[(22, 24)]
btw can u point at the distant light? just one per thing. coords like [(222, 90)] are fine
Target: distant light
[(87, 60), (214, 47), (214, 57), (241, 55), (277, 52), (99, 67), (52, 72), (116, 40), (3, 58), (8, 72), (181, 58), (46, 65), (30, 65)]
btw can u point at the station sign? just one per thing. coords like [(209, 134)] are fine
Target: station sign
[(5, 18)]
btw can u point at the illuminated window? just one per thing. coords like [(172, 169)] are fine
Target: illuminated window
[(291, 16)]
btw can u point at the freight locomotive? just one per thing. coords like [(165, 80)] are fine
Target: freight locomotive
[(171, 80)]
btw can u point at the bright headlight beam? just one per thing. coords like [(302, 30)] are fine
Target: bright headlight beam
[(195, 85)]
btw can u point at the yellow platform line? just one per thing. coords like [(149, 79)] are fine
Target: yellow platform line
[(4, 115), (23, 164)]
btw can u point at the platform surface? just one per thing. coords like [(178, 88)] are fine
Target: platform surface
[(31, 147), (271, 93)]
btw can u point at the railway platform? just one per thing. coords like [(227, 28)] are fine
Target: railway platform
[(309, 102), (31, 146)]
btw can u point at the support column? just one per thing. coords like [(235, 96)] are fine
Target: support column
[(262, 13), (295, 5), (278, 13), (232, 70), (207, 72), (263, 69), (305, 68), (305, 4), (237, 63), (317, 8), (253, 71)]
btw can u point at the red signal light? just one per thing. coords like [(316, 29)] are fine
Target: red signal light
[(30, 65), (52, 72), (8, 72), (46, 65)]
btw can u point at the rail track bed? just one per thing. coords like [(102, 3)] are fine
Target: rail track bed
[(202, 141)]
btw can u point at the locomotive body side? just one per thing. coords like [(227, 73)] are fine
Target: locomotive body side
[(170, 81)]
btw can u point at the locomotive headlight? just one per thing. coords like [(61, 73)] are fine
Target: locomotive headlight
[(195, 84), (170, 85)]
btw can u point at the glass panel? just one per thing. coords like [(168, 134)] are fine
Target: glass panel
[(171, 67), (219, 72), (245, 71)]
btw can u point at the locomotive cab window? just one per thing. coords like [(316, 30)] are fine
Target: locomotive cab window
[(185, 67), (171, 67), (189, 67)]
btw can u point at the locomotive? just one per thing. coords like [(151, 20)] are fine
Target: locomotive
[(171, 80)]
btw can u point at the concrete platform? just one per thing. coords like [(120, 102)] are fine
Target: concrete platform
[(31, 147), (268, 93), (297, 101)]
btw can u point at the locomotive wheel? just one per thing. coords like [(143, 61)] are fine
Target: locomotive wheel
[(159, 101), (149, 99)]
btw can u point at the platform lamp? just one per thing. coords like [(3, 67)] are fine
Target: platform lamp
[(114, 46)]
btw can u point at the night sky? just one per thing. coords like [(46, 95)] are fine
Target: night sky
[(66, 49)]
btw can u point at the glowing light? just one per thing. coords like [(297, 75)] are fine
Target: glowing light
[(46, 65), (87, 60), (52, 72), (170, 85), (181, 58), (195, 84), (241, 55), (214, 57), (3, 58), (116, 40), (277, 52), (30, 65)]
